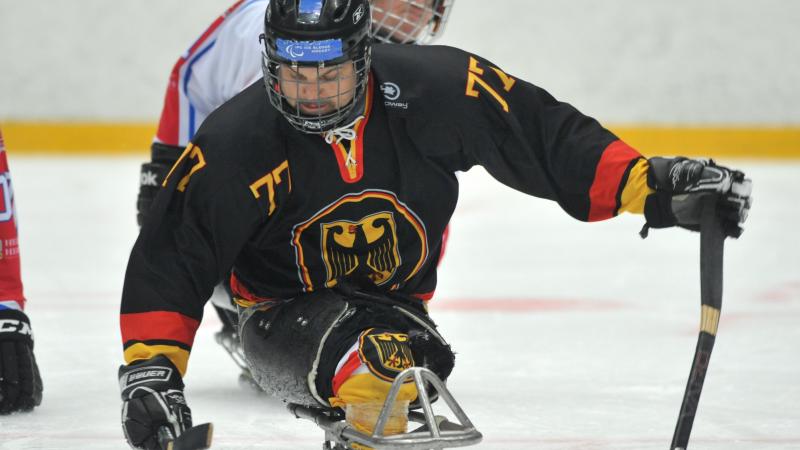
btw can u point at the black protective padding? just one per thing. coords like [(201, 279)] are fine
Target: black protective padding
[(658, 210), (152, 395), (282, 343), (293, 348), (658, 174), (20, 381)]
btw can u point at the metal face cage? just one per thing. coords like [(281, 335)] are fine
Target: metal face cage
[(317, 96), (409, 21)]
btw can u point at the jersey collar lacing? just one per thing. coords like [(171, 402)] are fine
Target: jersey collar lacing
[(344, 132)]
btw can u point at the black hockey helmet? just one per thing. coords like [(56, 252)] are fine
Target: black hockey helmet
[(409, 21), (316, 59)]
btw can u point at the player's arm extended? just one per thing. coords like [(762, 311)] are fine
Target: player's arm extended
[(179, 256), (534, 143), (548, 148)]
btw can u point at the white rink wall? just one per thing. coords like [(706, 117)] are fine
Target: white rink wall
[(691, 62)]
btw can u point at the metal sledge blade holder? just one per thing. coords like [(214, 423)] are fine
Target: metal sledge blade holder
[(436, 432)]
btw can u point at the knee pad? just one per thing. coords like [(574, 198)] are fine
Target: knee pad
[(293, 348)]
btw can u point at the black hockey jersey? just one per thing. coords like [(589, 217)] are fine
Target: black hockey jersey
[(282, 212)]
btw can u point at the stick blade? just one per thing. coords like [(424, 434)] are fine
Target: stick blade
[(195, 438)]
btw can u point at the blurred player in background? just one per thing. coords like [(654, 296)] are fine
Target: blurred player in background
[(224, 60), (323, 192), (20, 383)]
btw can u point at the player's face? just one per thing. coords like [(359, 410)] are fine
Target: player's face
[(317, 91), (402, 20)]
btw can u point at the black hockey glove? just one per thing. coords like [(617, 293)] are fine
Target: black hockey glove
[(20, 382), (680, 184), (151, 176), (153, 406)]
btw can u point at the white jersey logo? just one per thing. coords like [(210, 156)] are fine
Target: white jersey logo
[(390, 91), (149, 178)]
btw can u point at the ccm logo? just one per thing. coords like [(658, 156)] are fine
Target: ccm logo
[(14, 326)]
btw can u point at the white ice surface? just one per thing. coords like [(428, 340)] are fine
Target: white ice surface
[(569, 335)]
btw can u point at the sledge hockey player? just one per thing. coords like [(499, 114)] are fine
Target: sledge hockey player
[(322, 192), (224, 60), (20, 382)]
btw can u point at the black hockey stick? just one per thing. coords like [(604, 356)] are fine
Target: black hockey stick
[(712, 240), (195, 438)]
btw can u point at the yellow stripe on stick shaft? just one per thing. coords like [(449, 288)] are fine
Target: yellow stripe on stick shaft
[(709, 320)]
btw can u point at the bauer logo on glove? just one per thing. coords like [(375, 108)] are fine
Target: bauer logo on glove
[(145, 375)]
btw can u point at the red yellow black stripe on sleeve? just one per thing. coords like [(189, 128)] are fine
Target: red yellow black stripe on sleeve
[(620, 182), (147, 334)]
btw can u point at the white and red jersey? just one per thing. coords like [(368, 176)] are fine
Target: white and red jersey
[(11, 296), (225, 59)]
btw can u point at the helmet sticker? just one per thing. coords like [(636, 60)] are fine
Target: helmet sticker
[(310, 7), (358, 14), (309, 51)]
